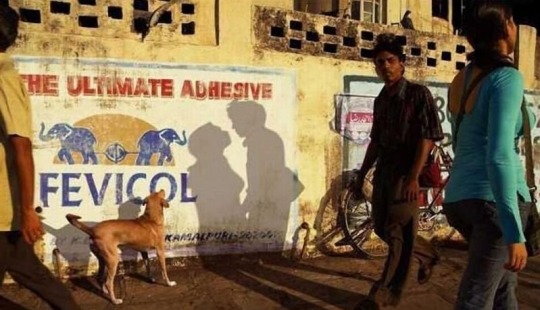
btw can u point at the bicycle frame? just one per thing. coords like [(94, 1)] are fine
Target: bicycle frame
[(430, 210), (355, 215)]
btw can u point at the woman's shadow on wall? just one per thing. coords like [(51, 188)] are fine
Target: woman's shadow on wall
[(215, 184)]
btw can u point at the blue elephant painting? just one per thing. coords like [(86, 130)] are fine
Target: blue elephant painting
[(72, 139), (158, 141)]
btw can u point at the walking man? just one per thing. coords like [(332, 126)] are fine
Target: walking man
[(20, 226), (405, 127)]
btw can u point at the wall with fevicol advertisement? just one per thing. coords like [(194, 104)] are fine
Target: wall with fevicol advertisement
[(94, 69), (218, 139)]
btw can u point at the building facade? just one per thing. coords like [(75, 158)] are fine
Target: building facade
[(228, 107)]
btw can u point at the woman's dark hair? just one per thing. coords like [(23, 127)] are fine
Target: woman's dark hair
[(9, 27), (388, 42), (484, 24)]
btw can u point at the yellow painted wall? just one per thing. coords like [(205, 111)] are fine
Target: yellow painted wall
[(239, 42)]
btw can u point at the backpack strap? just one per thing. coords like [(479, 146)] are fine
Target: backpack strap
[(529, 164), (466, 95)]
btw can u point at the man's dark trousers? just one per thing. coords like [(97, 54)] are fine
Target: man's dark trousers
[(396, 222), (18, 258)]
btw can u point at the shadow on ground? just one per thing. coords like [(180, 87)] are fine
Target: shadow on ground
[(274, 277)]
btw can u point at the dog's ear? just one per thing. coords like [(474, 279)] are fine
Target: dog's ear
[(161, 194), (164, 203)]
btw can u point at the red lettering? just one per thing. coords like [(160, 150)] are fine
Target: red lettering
[(123, 87), (102, 85), (213, 90), (238, 91), (167, 88), (33, 83), (154, 86), (87, 87), (266, 91), (187, 90), (74, 85), (50, 85), (200, 90), (141, 88), (255, 90), (226, 90), (41, 84)]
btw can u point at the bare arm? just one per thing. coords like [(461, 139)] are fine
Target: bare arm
[(24, 164), (31, 226)]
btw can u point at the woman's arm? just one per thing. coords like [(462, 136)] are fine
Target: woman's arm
[(506, 95)]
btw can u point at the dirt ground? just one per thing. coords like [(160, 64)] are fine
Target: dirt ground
[(273, 282)]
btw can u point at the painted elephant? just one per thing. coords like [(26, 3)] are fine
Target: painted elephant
[(72, 139), (158, 141)]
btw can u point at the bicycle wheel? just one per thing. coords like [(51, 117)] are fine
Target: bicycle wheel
[(358, 227)]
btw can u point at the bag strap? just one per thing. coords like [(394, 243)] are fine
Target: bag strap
[(529, 165), (466, 95)]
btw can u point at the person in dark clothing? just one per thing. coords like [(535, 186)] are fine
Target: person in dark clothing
[(405, 127)]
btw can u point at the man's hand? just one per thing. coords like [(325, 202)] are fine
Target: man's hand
[(31, 227), (517, 257), (410, 189)]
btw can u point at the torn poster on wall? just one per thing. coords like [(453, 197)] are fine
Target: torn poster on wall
[(354, 117)]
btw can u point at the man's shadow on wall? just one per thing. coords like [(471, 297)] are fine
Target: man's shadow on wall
[(73, 244), (271, 185)]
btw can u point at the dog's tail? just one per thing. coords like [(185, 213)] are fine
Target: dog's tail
[(74, 220)]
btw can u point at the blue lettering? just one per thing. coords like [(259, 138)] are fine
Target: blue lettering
[(98, 197), (174, 186), (45, 189), (130, 183), (119, 187), (66, 190), (70, 187), (185, 197)]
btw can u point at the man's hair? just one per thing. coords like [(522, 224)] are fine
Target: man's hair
[(9, 27), (247, 111), (388, 42)]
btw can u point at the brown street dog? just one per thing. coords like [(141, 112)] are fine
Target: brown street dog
[(143, 233)]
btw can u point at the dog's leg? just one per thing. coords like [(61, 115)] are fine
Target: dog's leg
[(160, 251), (146, 260), (101, 265), (111, 257)]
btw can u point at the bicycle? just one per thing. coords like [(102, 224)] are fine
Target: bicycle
[(354, 215)]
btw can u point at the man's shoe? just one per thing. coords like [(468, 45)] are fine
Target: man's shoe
[(426, 270)]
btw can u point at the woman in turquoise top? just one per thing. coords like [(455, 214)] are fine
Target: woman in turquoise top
[(487, 199)]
